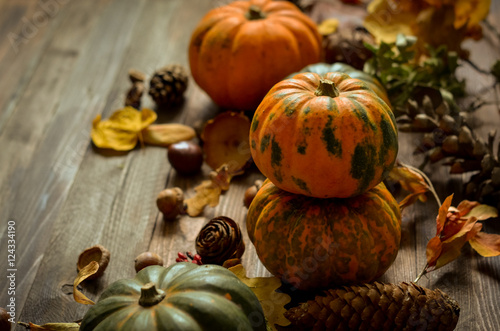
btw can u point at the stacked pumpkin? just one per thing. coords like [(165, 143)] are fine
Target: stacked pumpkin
[(324, 217)]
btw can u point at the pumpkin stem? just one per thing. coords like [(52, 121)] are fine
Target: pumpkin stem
[(150, 295), (327, 88), (255, 13)]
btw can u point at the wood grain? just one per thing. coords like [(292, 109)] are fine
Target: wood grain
[(65, 195)]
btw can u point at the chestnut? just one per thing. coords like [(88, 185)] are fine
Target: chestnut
[(185, 157)]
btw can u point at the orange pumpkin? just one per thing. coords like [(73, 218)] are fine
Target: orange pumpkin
[(239, 51), (325, 136), (315, 243)]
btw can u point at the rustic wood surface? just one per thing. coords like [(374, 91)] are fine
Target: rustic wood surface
[(63, 62)]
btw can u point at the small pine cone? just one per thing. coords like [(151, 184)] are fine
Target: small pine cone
[(220, 240), (167, 86), (377, 306)]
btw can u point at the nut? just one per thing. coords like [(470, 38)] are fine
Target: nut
[(95, 253), (251, 192), (185, 157), (146, 259), (170, 202)]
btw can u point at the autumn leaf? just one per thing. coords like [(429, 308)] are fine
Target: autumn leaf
[(84, 273), (209, 191), (411, 180), (264, 289), (167, 134), (51, 326), (433, 22), (122, 130), (328, 26), (457, 226)]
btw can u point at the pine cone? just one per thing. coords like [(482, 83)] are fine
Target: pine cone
[(167, 86), (220, 240), (377, 306)]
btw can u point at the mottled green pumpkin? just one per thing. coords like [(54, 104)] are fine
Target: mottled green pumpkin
[(372, 82), (184, 296), (324, 136), (314, 243)]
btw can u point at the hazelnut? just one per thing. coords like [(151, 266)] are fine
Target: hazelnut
[(146, 259), (5, 324), (185, 157), (170, 202), (251, 192), (95, 253)]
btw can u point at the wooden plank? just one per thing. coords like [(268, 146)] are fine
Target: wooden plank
[(26, 29), (58, 155), (121, 219), (40, 99), (67, 196)]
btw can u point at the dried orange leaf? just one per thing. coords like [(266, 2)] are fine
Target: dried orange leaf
[(486, 244), (84, 273), (434, 248), (52, 326), (226, 141), (264, 289), (122, 130), (410, 181), (167, 134), (443, 212), (209, 191)]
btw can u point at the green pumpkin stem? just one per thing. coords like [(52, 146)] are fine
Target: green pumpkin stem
[(327, 88), (255, 13), (150, 295)]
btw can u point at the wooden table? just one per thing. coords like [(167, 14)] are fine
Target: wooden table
[(64, 62)]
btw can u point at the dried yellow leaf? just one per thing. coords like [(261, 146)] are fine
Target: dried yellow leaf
[(51, 326), (167, 134), (84, 273), (123, 128), (264, 288), (328, 26), (207, 194), (433, 22), (209, 191)]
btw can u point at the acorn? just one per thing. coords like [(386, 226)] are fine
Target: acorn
[(147, 259), (170, 202), (185, 157), (251, 192)]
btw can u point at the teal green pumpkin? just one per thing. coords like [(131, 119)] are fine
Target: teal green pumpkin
[(184, 296), (372, 82)]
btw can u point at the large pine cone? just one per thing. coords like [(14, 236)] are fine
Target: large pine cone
[(377, 306), (168, 84)]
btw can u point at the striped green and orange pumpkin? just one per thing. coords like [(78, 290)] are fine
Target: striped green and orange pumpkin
[(313, 243), (324, 136)]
